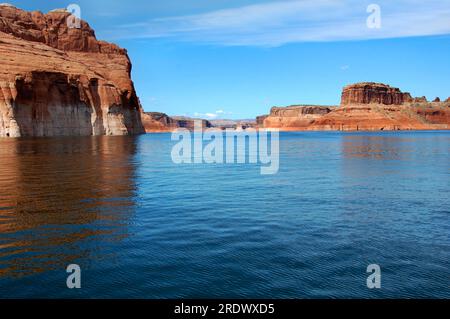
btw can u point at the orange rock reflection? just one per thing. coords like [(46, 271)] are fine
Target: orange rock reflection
[(57, 195)]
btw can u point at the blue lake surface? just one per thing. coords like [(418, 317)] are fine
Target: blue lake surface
[(141, 226)]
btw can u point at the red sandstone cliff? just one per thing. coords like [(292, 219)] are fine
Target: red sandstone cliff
[(156, 122), (365, 106), (57, 80), (373, 93), (295, 116)]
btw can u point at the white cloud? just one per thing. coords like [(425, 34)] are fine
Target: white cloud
[(280, 22), (212, 116)]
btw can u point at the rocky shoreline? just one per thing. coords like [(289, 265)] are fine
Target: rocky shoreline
[(364, 106)]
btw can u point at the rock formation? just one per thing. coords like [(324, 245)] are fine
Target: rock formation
[(57, 79), (300, 116), (377, 93), (158, 122), (422, 99), (155, 122), (365, 106), (260, 120), (188, 123)]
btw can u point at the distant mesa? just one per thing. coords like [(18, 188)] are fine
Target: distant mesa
[(188, 123), (160, 122), (365, 106), (155, 122), (377, 93), (223, 124)]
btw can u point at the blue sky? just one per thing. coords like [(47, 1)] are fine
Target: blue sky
[(237, 58)]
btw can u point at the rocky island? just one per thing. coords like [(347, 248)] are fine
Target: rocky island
[(364, 106), (58, 80)]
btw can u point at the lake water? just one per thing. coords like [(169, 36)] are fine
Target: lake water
[(141, 226)]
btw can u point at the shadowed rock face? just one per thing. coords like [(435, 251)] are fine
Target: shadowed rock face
[(61, 81), (260, 120), (189, 123), (373, 93)]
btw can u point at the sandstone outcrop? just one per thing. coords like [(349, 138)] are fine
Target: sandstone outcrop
[(422, 99), (58, 80), (365, 106), (376, 93), (300, 116), (260, 120), (156, 122)]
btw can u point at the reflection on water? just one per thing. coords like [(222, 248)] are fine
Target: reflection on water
[(58, 197), (392, 147), (141, 226)]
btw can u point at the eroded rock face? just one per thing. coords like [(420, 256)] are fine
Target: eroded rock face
[(157, 122), (53, 30), (373, 93), (368, 107), (422, 99), (300, 110), (260, 120), (61, 81), (300, 116)]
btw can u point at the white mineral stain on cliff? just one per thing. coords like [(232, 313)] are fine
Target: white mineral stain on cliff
[(56, 80)]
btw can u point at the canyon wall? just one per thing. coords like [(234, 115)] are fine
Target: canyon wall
[(373, 93), (365, 106), (156, 122), (295, 116), (260, 120), (57, 80)]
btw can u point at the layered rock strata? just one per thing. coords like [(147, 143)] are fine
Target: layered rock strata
[(365, 106), (59, 80), (373, 93), (295, 116), (155, 122)]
